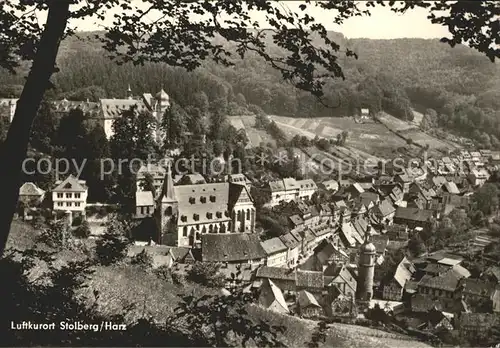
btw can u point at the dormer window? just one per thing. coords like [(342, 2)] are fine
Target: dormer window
[(219, 214), (203, 199), (68, 186), (212, 199), (192, 200)]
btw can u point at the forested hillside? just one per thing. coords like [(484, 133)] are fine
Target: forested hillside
[(456, 87)]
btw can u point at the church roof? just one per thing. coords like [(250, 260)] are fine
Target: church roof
[(231, 247)]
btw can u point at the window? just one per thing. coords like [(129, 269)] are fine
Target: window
[(68, 204), (219, 214), (192, 200), (59, 204), (196, 217), (212, 199), (203, 199), (142, 210), (68, 195), (77, 195), (209, 215), (248, 214), (147, 210), (168, 211), (185, 231), (59, 195), (77, 204)]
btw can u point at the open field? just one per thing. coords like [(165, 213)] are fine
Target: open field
[(255, 136), (368, 137), (393, 123), (424, 139)]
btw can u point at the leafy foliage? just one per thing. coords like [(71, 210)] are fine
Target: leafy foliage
[(206, 273), (82, 231), (223, 321), (55, 234), (112, 246), (142, 259)]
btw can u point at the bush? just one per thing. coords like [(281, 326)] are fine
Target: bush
[(54, 235), (207, 274), (82, 231), (143, 259), (112, 246), (164, 273), (77, 221)]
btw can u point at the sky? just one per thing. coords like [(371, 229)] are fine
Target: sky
[(382, 24)]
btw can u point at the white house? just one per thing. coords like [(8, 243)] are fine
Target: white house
[(290, 189), (478, 177), (70, 194), (276, 252)]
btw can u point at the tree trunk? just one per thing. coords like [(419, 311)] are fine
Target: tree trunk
[(13, 151)]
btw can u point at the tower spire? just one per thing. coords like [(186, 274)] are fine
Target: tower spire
[(168, 192)]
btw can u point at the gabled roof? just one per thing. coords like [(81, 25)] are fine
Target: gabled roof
[(310, 279), (402, 273), (231, 247), (448, 281), (385, 208), (289, 241), (273, 245), (113, 108), (306, 299), (413, 214), (270, 293), (279, 273), (306, 184), (451, 187), (70, 184), (30, 189)]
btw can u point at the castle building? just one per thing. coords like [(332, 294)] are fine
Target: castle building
[(113, 108), (185, 212), (366, 269)]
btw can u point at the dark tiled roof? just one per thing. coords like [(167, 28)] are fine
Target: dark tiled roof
[(310, 279), (447, 282), (413, 214), (289, 240), (231, 247), (275, 273)]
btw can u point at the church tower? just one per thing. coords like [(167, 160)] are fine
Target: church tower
[(366, 269), (167, 210)]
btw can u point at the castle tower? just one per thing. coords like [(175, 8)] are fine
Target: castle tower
[(366, 269), (167, 209), (162, 104)]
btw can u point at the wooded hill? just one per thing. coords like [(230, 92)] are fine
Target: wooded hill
[(461, 86)]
